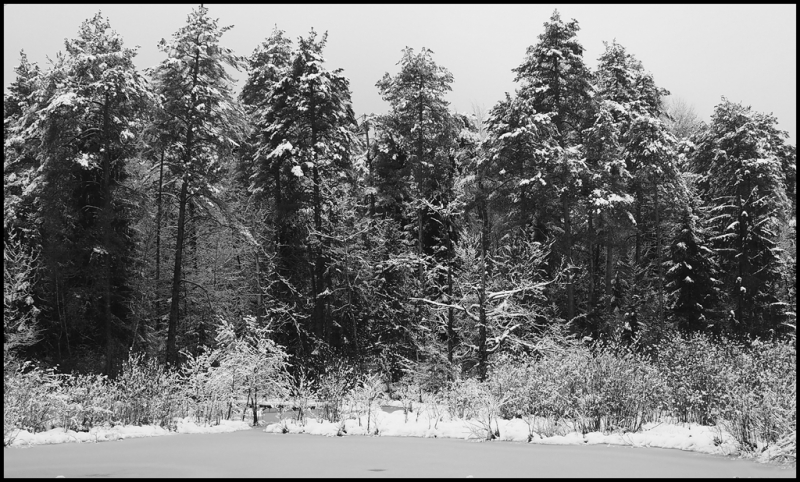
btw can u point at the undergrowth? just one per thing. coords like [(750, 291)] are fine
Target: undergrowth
[(747, 391)]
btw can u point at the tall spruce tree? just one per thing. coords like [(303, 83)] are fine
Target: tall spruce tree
[(203, 124), (307, 128), (88, 114), (631, 103), (692, 277), (556, 82), (738, 157), (422, 130)]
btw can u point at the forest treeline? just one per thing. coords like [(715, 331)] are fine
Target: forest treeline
[(144, 210)]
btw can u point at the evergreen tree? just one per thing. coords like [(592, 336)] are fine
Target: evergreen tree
[(20, 146), (87, 120), (557, 83), (266, 171), (692, 275), (738, 155), (419, 134), (306, 133), (202, 123), (628, 123)]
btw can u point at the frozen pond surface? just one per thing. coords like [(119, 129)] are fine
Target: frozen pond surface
[(253, 453)]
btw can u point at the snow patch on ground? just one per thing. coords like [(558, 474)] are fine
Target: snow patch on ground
[(119, 432), (422, 422)]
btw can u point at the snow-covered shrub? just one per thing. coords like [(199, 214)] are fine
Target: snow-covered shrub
[(30, 398), (508, 381), (616, 390), (251, 362), (434, 408), (409, 392), (147, 393), (201, 399), (365, 399), (698, 372), (334, 385), (86, 401), (301, 391), (236, 374), (761, 404), (481, 406)]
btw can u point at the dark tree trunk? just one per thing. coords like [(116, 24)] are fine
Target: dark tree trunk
[(484, 213), (105, 225), (609, 265), (592, 263), (658, 258), (638, 250), (183, 198), (568, 239), (172, 350), (159, 211)]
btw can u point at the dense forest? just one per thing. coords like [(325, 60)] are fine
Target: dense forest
[(159, 214), (142, 209)]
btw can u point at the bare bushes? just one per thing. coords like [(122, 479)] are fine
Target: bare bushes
[(761, 408), (210, 387), (29, 401)]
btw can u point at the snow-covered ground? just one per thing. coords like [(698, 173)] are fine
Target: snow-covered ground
[(424, 421), (119, 432)]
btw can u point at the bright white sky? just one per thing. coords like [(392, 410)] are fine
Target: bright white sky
[(748, 53)]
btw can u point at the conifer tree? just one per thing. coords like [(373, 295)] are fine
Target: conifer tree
[(692, 275), (632, 104), (19, 150), (738, 157), (266, 172), (419, 126), (88, 113), (557, 83), (203, 124), (306, 132)]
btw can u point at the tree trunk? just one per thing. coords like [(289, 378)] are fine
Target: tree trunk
[(450, 311), (482, 314), (658, 258), (568, 238), (742, 264), (609, 266), (106, 227), (449, 228), (183, 198), (319, 266), (369, 166), (638, 250), (592, 264), (191, 235), (259, 295), (484, 212), (159, 211), (172, 351)]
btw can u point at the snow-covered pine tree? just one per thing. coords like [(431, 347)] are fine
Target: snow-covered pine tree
[(609, 207), (84, 115), (692, 283), (556, 82), (266, 175), (19, 151), (202, 121), (632, 102), (420, 127), (738, 157), (307, 127)]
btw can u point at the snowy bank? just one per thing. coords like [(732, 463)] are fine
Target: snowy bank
[(119, 432), (425, 422)]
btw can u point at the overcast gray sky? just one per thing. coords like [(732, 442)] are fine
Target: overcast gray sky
[(747, 53)]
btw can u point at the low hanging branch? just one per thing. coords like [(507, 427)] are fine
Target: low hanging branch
[(490, 296)]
